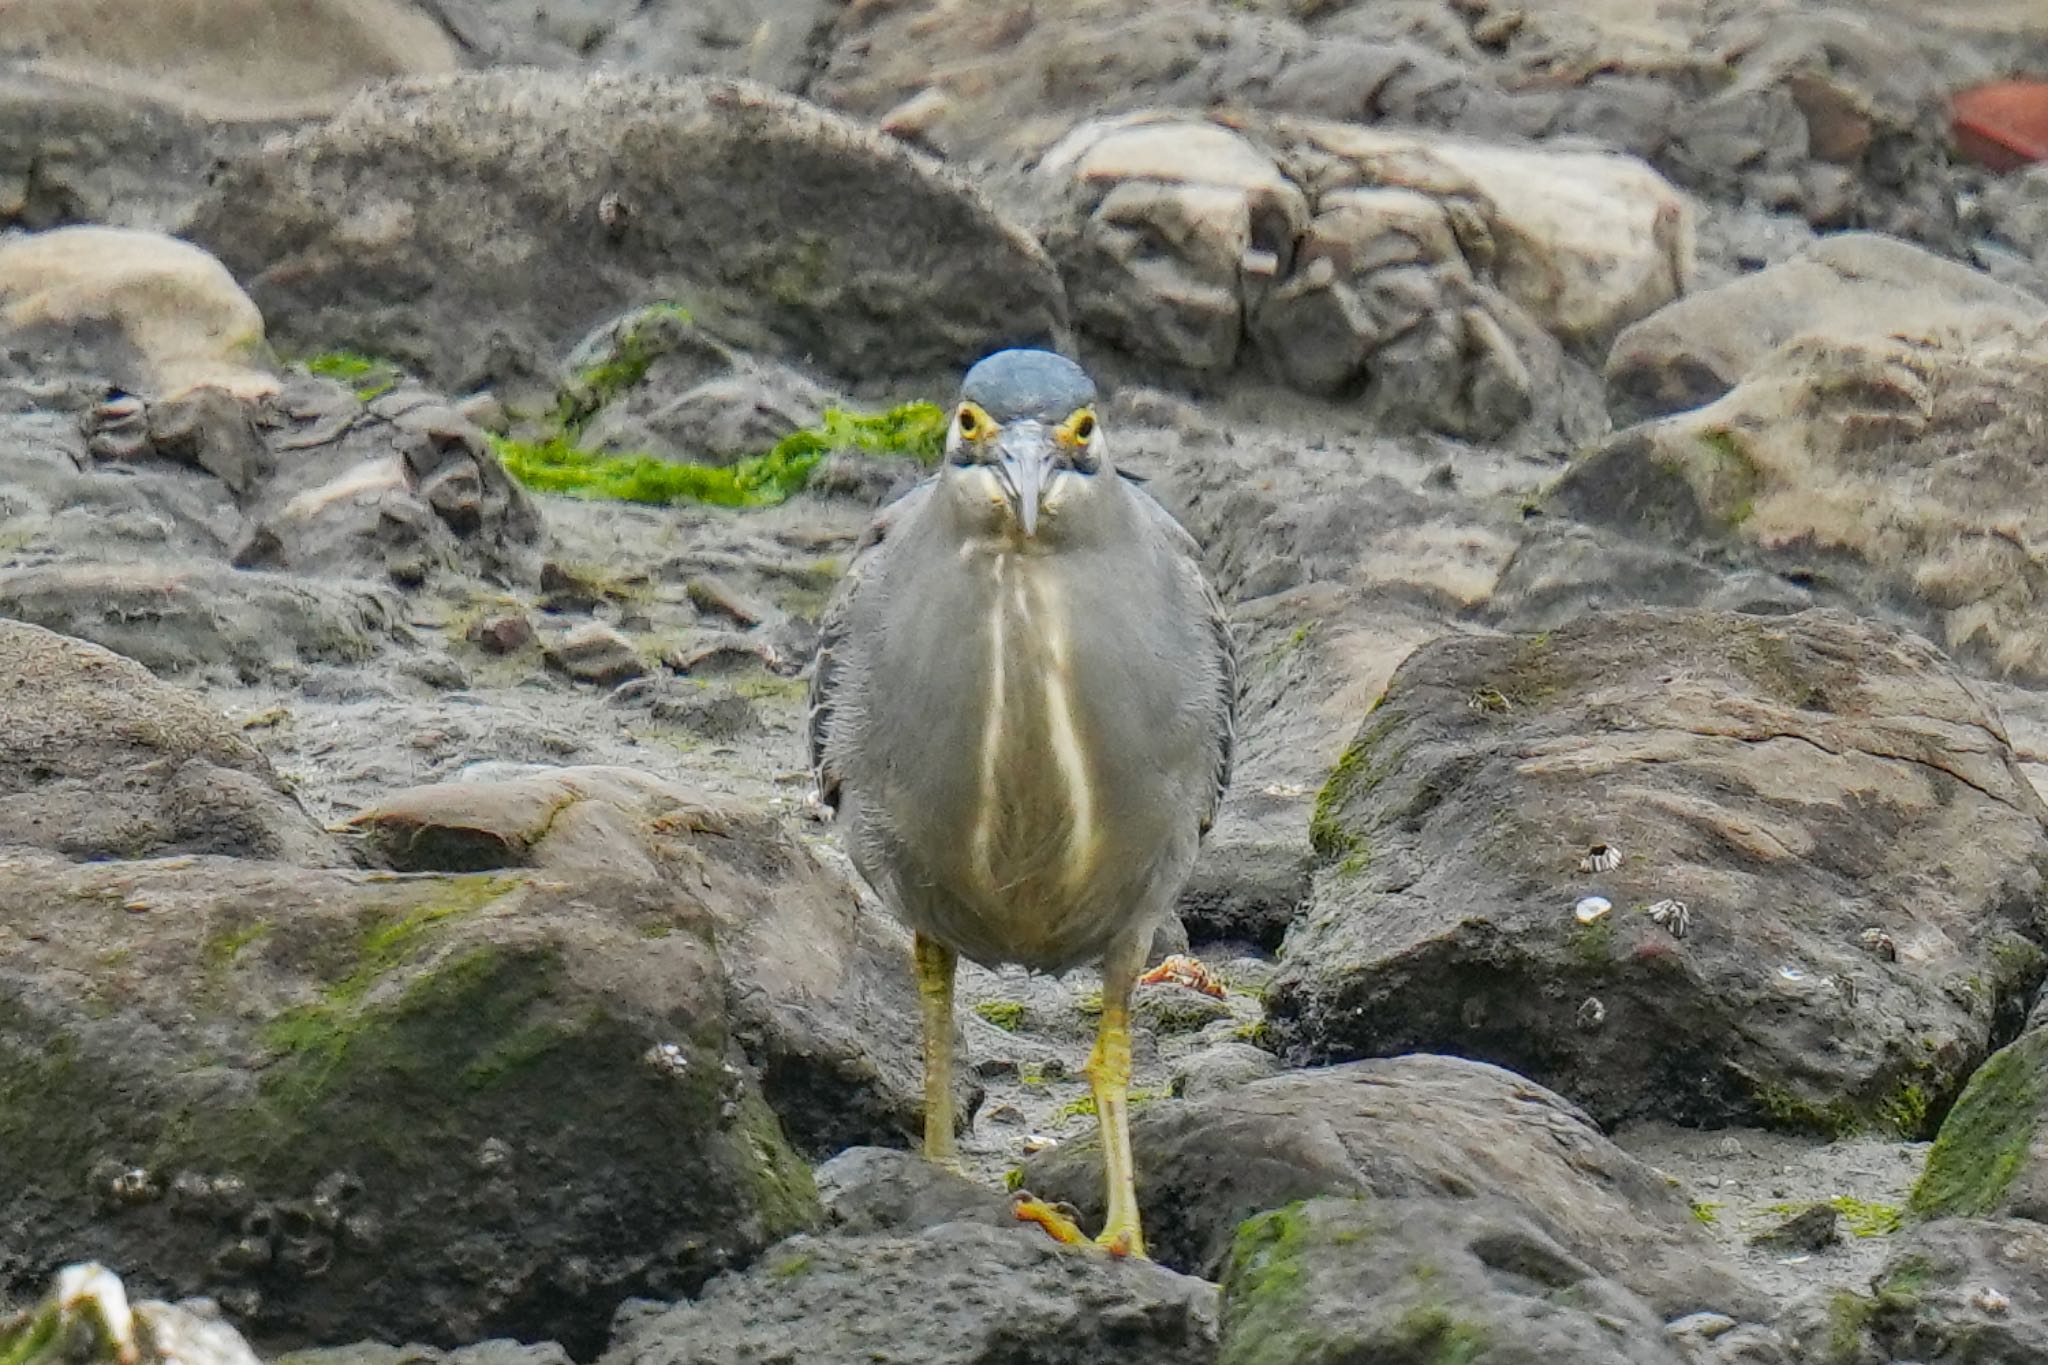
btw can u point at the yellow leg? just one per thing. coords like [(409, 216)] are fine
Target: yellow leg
[(935, 964), (1109, 1075)]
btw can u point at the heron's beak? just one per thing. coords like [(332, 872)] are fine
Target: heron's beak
[(1025, 460)]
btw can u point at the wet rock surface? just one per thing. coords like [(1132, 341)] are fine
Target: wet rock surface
[(424, 934), (956, 1292), (1634, 775)]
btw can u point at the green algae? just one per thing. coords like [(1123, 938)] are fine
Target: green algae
[(1984, 1142), (556, 463), (370, 377), (1007, 1015)]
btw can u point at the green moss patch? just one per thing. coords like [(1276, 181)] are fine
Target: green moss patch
[(1359, 770), (370, 377), (557, 464), (1007, 1015), (1265, 1289), (1984, 1141)]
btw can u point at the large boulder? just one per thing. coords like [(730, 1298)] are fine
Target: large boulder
[(956, 1294), (818, 986), (146, 311), (767, 217), (1886, 470), (1417, 1127), (1687, 864), (1424, 1281), (430, 1107), (1852, 285), (98, 759)]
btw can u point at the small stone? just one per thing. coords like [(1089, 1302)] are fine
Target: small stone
[(1813, 1228), (595, 653), (1591, 908), (501, 634), (1991, 1301), (1592, 1014), (713, 594)]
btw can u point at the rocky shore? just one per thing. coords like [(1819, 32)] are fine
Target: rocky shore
[(430, 431)]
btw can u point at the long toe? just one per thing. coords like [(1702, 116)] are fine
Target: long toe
[(1056, 1219)]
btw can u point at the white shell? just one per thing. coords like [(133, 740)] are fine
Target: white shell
[(1591, 908)]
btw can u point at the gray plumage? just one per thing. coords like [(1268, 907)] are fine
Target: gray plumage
[(1025, 735)]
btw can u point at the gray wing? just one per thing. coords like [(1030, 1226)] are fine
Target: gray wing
[(1222, 649), (833, 630)]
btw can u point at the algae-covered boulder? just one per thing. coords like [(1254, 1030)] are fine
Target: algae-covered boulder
[(474, 225), (819, 987), (1991, 1156), (344, 1104), (1423, 1282), (98, 759), (1694, 865)]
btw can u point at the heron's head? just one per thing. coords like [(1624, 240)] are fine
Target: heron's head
[(1025, 446)]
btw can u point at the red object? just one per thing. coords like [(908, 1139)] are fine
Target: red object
[(2002, 126)]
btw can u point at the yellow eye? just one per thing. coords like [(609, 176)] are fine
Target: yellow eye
[(1083, 428), (969, 420)]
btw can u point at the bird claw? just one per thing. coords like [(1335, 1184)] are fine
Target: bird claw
[(1060, 1222)]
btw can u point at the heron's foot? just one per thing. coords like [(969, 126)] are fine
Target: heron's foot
[(1059, 1222)]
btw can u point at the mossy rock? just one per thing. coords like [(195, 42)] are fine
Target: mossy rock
[(343, 1104), (1991, 1155), (1809, 787), (1420, 1282)]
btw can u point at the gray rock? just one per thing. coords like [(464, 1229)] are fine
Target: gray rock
[(775, 41), (883, 1190), (1813, 1228), (1419, 1281), (1412, 1126), (1245, 888), (437, 1107), (400, 488), (594, 652), (819, 986), (956, 1294), (1953, 1292), (1225, 1066), (178, 617), (1852, 284), (1791, 781), (98, 759), (653, 382), (821, 238), (500, 1352), (1868, 459)]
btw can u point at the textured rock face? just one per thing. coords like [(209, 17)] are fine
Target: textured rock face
[(817, 985), (98, 759), (230, 59), (1422, 1127), (1417, 1281), (1892, 470), (1953, 1291), (1853, 287), (445, 1107), (790, 225), (1509, 837), (152, 313), (1430, 278), (956, 1294)]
